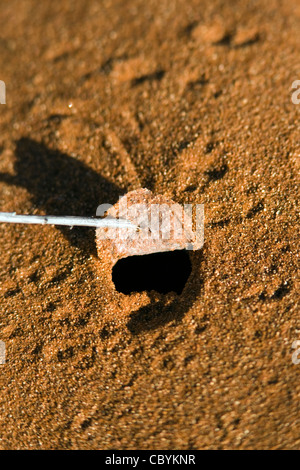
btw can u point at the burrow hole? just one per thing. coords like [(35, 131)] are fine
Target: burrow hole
[(162, 272)]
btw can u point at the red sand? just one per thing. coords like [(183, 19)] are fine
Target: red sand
[(191, 100)]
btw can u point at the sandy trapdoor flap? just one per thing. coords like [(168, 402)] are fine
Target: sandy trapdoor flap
[(163, 226)]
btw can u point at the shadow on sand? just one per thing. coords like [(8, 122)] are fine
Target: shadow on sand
[(61, 185), (159, 313)]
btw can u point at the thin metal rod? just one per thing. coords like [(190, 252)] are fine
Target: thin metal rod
[(13, 218)]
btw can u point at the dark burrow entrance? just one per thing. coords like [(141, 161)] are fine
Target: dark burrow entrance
[(161, 272)]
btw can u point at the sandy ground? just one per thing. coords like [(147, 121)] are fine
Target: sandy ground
[(191, 100)]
